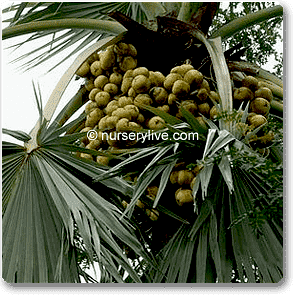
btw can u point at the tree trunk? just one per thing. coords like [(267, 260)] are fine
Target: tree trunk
[(203, 17)]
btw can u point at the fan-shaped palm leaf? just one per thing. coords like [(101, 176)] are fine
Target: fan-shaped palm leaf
[(43, 201), (40, 185)]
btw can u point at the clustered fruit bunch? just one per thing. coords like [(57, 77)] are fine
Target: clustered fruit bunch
[(183, 179), (119, 89), (259, 97)]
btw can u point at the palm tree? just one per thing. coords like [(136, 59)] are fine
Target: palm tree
[(62, 212)]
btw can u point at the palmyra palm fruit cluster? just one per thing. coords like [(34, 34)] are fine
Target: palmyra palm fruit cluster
[(119, 88)]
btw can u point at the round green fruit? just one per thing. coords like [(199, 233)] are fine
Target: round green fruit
[(243, 94), (260, 106)]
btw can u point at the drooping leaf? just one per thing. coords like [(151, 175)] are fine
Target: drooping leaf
[(141, 154), (18, 134), (140, 187), (220, 142), (164, 181), (204, 213), (205, 175), (209, 141), (162, 151), (225, 169)]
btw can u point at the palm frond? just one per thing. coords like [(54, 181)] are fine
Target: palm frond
[(208, 250), (58, 48), (74, 12), (97, 211), (54, 191), (153, 162), (52, 174)]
